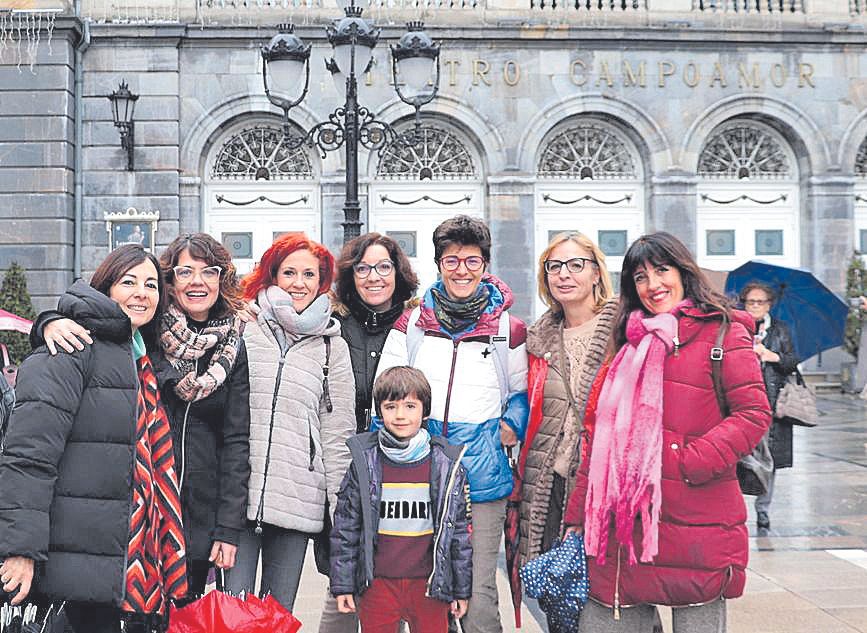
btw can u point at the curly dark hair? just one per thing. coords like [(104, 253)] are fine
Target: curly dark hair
[(405, 280), (204, 247), (464, 231), (660, 249), (757, 285)]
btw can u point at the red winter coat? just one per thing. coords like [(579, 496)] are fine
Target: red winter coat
[(703, 547)]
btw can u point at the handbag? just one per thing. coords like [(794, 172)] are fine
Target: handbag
[(558, 580), (754, 470), (796, 402)]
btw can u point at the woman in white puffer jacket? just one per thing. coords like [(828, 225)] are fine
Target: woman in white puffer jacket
[(302, 402)]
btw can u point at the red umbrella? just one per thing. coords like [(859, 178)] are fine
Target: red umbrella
[(219, 612), (9, 321), (512, 536)]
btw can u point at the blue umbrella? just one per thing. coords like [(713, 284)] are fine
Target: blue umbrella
[(816, 316)]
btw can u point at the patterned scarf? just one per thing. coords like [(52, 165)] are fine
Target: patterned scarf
[(184, 347), (156, 559), (626, 463), (404, 451), (456, 316)]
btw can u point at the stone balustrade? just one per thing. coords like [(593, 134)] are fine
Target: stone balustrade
[(705, 13)]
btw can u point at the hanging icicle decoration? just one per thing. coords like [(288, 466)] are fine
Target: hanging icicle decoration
[(49, 29), (5, 18), (18, 43)]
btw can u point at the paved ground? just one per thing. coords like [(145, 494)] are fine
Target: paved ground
[(807, 574)]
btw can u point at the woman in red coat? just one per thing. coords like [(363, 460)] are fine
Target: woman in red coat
[(656, 495)]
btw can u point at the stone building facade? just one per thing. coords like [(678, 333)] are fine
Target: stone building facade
[(738, 125)]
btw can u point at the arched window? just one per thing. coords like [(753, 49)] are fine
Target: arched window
[(743, 151), (439, 155), (258, 153), (861, 160), (588, 151)]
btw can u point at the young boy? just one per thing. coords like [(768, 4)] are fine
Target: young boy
[(401, 537)]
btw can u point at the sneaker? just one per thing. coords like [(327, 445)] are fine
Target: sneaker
[(763, 521)]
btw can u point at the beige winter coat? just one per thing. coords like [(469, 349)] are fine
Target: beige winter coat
[(543, 341), (298, 478)]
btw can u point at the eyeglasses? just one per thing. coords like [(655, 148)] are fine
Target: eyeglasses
[(209, 275), (472, 263), (574, 265), (756, 302), (383, 268)]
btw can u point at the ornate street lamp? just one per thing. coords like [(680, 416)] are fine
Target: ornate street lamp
[(123, 113), (415, 75)]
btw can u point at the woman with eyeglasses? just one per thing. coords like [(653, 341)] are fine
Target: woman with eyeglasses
[(566, 347), (302, 399), (201, 368), (374, 282), (473, 353), (773, 346)]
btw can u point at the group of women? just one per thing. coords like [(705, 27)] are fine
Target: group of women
[(198, 421)]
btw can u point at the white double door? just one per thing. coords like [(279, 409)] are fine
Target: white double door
[(409, 213), (740, 221), (247, 218)]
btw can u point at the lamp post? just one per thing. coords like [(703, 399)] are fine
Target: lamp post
[(415, 75), (123, 111)]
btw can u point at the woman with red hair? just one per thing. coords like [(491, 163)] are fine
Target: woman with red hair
[(302, 411)]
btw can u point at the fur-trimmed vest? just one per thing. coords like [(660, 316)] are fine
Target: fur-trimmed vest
[(549, 408)]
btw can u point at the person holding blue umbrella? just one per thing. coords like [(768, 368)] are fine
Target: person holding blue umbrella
[(773, 346)]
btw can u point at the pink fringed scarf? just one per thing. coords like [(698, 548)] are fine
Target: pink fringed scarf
[(626, 462)]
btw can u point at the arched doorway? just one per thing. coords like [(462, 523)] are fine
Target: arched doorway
[(590, 179), (256, 189), (405, 203), (748, 201)]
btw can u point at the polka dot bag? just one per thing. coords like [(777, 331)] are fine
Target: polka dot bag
[(558, 580)]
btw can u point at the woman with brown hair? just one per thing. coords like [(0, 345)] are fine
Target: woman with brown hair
[(565, 347), (201, 366), (88, 484), (373, 284), (657, 495)]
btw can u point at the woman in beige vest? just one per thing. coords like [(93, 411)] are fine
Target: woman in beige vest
[(566, 346)]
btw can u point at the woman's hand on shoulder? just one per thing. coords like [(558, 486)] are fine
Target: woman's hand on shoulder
[(16, 572), (67, 334)]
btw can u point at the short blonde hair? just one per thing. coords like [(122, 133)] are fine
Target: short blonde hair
[(602, 292)]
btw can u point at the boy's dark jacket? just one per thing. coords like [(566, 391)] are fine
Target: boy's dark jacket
[(356, 521)]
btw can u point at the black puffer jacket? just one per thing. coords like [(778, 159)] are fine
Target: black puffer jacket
[(212, 453), (777, 339), (356, 521), (66, 473), (364, 332)]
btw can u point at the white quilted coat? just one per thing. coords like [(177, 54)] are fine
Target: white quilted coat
[(294, 492)]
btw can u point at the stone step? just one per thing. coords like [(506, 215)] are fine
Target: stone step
[(823, 382)]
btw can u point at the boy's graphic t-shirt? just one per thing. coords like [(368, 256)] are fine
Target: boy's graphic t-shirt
[(404, 546)]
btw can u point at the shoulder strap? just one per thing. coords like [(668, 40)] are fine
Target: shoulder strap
[(414, 336), (500, 343), (716, 356), (326, 394)]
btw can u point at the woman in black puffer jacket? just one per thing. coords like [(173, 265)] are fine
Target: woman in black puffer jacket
[(374, 282), (83, 459), (201, 365)]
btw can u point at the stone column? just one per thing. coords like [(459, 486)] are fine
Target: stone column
[(511, 212), (827, 228), (672, 207)]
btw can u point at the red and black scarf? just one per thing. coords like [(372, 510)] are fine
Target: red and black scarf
[(156, 568)]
